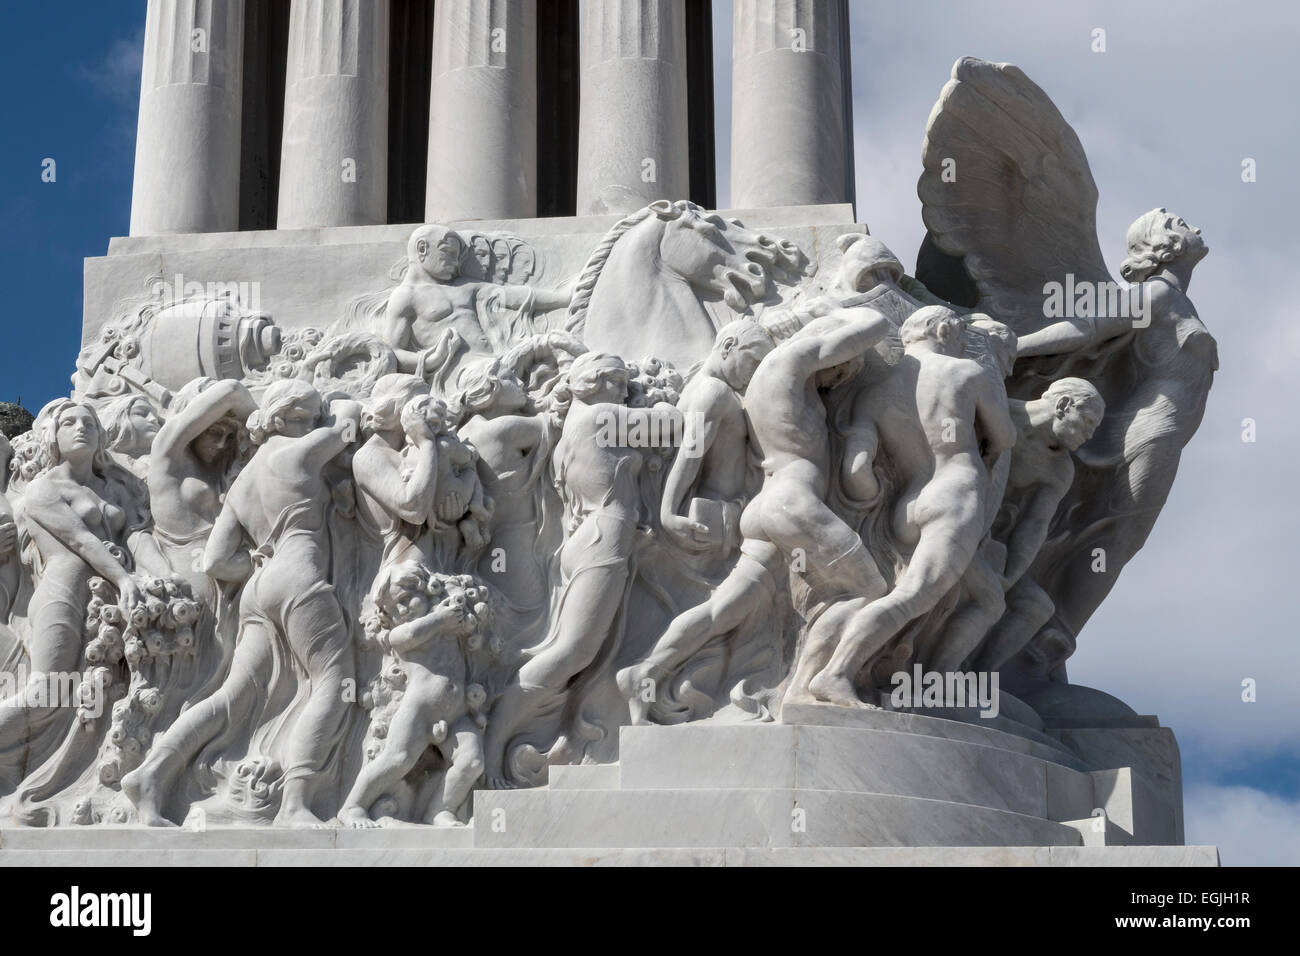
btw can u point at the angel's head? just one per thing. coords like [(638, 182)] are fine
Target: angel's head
[(1156, 239)]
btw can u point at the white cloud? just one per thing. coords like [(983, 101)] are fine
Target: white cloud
[(117, 74), (1250, 827)]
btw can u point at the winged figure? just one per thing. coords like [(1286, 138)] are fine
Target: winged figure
[(1010, 206)]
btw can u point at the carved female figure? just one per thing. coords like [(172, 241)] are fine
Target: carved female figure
[(1153, 364), (396, 471), (78, 518), (194, 459), (495, 413), (598, 479), (132, 424), (277, 504)]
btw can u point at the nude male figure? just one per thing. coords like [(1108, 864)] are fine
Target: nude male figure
[(788, 521), (942, 420), (433, 313), (713, 465), (1049, 428)]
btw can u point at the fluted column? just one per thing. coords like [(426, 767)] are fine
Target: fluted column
[(187, 141), (789, 89), (334, 155), (632, 127), (483, 111)]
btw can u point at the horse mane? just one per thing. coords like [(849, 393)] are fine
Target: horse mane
[(577, 315)]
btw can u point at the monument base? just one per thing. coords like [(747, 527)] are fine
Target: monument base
[(826, 787)]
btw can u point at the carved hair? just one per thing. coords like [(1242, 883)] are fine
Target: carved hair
[(405, 578), (582, 380), (46, 429), (1151, 243), (743, 330), (388, 397), (282, 395), (1079, 391), (129, 489), (931, 322), (480, 387)]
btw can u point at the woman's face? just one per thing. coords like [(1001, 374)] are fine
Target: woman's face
[(144, 423), (511, 394), (77, 433), (210, 445), (610, 387)]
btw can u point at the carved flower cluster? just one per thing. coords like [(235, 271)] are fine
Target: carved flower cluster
[(159, 627)]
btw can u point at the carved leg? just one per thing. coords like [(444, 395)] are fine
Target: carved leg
[(937, 564), (1028, 609), (463, 750), (149, 785), (972, 619), (734, 600), (320, 640)]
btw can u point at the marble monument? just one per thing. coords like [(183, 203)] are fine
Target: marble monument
[(643, 534)]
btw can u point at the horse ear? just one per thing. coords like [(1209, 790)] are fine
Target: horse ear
[(664, 209), (847, 240)]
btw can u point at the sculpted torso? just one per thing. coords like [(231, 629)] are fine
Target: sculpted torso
[(596, 477), (276, 479), (428, 308), (507, 446), (92, 506), (724, 469), (787, 419)]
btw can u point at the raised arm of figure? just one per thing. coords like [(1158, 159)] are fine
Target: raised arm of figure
[(227, 397), (842, 335)]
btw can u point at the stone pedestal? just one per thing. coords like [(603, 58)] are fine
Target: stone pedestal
[(825, 788)]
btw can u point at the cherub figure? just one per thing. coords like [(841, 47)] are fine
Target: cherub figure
[(428, 623)]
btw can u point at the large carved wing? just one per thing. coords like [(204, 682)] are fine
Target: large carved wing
[(1007, 188)]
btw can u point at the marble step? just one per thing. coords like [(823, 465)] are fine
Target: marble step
[(598, 856), (750, 817), (864, 760), (223, 838), (583, 777), (1033, 743)]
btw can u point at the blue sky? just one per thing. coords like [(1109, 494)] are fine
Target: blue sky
[(1182, 94), (71, 77)]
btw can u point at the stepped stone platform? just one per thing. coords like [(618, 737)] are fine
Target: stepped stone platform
[(824, 787)]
